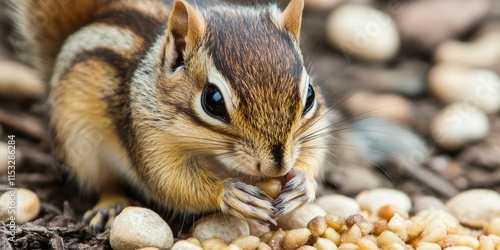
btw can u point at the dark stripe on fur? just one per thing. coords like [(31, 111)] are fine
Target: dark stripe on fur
[(141, 24)]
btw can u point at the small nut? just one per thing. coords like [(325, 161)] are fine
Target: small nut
[(213, 244), (325, 244), (185, 245), (348, 246), (263, 246), (332, 235), (271, 187), (317, 226), (276, 240), (428, 246), (295, 238), (194, 241), (433, 233), (366, 244), (352, 235), (387, 212), (247, 242), (335, 222), (493, 226), (266, 237), (459, 240), (387, 238), (486, 243), (354, 219), (379, 227), (230, 247), (398, 226)]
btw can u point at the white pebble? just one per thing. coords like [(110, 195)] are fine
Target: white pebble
[(476, 207), (299, 217), (458, 83), (421, 203), (320, 5), (393, 107), (482, 52), (362, 31), (340, 205), (373, 200), (26, 202), (257, 229), (19, 82), (221, 226), (137, 227), (459, 124)]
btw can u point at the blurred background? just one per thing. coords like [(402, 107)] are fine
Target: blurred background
[(416, 82)]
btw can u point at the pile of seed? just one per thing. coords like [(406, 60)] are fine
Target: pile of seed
[(391, 228)]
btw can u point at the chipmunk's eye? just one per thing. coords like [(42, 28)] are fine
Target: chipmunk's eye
[(213, 103), (309, 99)]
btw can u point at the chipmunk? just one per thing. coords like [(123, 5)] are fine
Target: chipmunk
[(190, 106)]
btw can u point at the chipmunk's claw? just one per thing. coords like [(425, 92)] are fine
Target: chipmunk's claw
[(247, 202), (101, 217), (299, 189)]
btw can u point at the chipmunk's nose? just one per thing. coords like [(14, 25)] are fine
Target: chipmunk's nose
[(277, 165)]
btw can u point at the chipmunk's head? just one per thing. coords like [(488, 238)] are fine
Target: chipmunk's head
[(237, 78)]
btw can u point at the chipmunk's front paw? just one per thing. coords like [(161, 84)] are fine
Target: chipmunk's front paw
[(247, 202), (299, 189), (102, 215)]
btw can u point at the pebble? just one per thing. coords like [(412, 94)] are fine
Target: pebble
[(458, 83), (407, 78), (392, 107), (300, 217), (185, 245), (421, 203), (362, 31), (482, 52), (476, 207), (340, 205), (391, 141), (221, 226), (427, 23), (457, 125), (373, 200), (27, 205), (19, 82), (348, 179), (258, 229), (137, 227), (321, 5)]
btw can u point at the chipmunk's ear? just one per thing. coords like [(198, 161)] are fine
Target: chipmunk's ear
[(187, 26), (291, 18)]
